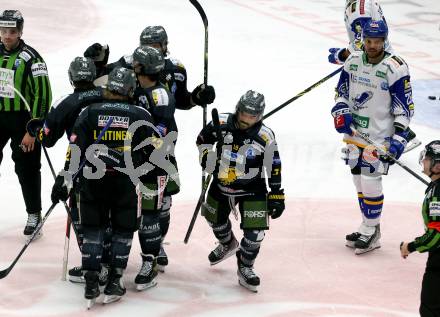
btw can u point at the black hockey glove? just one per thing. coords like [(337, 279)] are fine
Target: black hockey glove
[(59, 190), (99, 53), (202, 95), (208, 160), (34, 126), (275, 203)]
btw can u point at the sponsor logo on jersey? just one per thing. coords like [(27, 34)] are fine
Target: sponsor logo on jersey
[(361, 100), (381, 74), (354, 67), (254, 213), (384, 86), (39, 69), (233, 157), (179, 77), (160, 97), (115, 106), (17, 63), (118, 122), (361, 121), (25, 55), (434, 208)]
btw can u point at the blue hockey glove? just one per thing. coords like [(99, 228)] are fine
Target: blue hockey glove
[(335, 56), (342, 118)]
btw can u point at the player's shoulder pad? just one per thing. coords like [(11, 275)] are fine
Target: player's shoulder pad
[(266, 134), (128, 59), (59, 101), (396, 66), (177, 62), (353, 61), (27, 53), (161, 96)]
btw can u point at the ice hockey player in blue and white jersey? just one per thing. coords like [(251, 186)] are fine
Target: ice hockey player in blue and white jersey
[(357, 14), (374, 95)]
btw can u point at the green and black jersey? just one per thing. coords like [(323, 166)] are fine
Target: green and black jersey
[(430, 241), (25, 70)]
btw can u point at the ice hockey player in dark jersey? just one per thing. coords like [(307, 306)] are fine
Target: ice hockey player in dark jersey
[(104, 188), (430, 240), (173, 75), (148, 62), (241, 167), (60, 120)]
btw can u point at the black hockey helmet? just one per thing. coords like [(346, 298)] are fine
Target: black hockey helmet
[(432, 151), (155, 34), (11, 19), (82, 69), (150, 58), (122, 81), (251, 102)]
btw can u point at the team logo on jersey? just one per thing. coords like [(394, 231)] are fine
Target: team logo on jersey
[(434, 208), (360, 100), (384, 86), (39, 69), (118, 122), (26, 56)]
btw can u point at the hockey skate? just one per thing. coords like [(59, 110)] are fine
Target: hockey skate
[(247, 277), (223, 251), (367, 243), (351, 238), (32, 222), (115, 287), (161, 260), (92, 288), (146, 277), (76, 275)]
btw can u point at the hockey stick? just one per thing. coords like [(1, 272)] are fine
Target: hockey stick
[(5, 272), (388, 155), (202, 13), (66, 248), (49, 162), (216, 123), (302, 93)]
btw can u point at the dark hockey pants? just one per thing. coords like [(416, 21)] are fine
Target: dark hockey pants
[(430, 296)]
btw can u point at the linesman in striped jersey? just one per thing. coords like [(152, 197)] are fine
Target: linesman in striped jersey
[(23, 76), (430, 240)]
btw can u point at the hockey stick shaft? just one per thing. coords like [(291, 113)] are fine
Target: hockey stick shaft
[(202, 14), (302, 93), (216, 123), (5, 272), (66, 249), (388, 155)]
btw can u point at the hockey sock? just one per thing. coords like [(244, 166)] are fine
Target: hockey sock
[(223, 232), (149, 233), (372, 210), (120, 249), (92, 249), (164, 216), (250, 246)]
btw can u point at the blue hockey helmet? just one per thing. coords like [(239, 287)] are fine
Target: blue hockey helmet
[(374, 28)]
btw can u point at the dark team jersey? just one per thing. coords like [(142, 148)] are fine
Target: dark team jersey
[(64, 112), (248, 157), (161, 104), (173, 76), (430, 240), (118, 139), (25, 70)]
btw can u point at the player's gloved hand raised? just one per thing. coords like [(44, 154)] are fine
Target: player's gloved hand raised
[(34, 126), (202, 95), (275, 203), (342, 118), (99, 53), (60, 191), (336, 55)]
